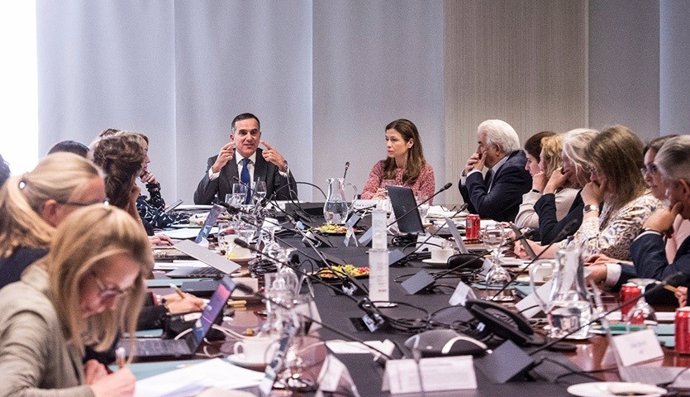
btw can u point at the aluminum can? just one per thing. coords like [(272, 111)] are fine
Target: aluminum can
[(472, 227), (682, 323), (628, 291)]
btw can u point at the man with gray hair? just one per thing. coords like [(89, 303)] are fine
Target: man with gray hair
[(496, 195), (648, 250)]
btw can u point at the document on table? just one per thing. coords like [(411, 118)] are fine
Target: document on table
[(187, 232), (192, 380), (177, 264)]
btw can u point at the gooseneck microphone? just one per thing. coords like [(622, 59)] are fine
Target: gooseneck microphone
[(347, 166), (250, 247), (566, 231), (372, 314), (659, 284), (416, 208)]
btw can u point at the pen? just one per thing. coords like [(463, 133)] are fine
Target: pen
[(177, 290), (120, 357), (670, 288)]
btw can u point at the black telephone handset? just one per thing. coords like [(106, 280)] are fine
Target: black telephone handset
[(504, 323)]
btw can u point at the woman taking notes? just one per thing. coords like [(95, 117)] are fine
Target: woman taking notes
[(404, 166), (87, 289)]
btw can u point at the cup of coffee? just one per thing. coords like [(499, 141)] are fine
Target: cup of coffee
[(441, 255), (257, 349)]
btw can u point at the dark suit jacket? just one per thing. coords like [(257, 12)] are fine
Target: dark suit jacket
[(213, 191), (649, 255), (11, 268), (511, 181), (549, 226)]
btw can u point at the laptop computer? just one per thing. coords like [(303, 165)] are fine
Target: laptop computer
[(218, 265), (404, 207), (208, 223), (187, 346)]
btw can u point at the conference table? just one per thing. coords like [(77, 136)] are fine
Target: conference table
[(552, 375)]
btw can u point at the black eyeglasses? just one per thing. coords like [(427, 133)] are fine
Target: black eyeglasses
[(106, 293), (79, 204), (650, 168)]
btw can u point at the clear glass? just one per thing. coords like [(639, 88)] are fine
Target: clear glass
[(494, 236), (294, 377), (336, 208), (641, 315), (239, 194), (259, 192), (423, 208)]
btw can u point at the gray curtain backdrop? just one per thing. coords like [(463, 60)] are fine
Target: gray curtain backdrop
[(326, 76), (323, 77)]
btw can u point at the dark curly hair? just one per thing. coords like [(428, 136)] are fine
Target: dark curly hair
[(121, 158)]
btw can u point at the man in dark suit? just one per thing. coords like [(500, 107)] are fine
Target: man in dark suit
[(648, 249), (498, 194), (241, 160)]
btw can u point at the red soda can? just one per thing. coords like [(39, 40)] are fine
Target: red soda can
[(472, 227), (682, 323), (628, 291)]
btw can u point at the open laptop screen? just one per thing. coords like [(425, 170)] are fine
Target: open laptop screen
[(208, 223), (404, 204), (213, 309)]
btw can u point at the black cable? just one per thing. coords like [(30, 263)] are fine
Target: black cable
[(594, 371)]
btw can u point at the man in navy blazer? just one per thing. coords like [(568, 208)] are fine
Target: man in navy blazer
[(647, 251), (226, 168), (498, 194)]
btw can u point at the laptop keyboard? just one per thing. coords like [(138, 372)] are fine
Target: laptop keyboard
[(155, 347)]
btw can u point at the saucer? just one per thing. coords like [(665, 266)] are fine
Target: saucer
[(606, 389), (433, 262), (242, 261), (239, 360)]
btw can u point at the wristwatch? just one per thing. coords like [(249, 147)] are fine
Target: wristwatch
[(590, 208)]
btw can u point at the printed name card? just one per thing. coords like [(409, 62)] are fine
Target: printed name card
[(637, 347), (529, 306), (437, 374), (462, 292)]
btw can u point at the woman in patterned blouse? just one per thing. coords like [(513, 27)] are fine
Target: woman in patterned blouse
[(616, 200), (405, 164)]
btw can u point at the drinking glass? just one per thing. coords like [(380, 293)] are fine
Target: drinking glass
[(239, 194), (423, 208), (493, 237), (641, 314), (295, 378), (258, 192)]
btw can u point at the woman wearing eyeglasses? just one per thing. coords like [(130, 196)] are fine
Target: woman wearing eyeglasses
[(34, 203), (603, 264), (89, 288), (616, 200)]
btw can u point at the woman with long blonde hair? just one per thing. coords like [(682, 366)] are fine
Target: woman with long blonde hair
[(34, 203), (549, 160), (88, 289)]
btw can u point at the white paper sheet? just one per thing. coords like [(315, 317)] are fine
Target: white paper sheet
[(189, 381)]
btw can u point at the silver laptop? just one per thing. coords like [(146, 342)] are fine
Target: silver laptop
[(218, 265)]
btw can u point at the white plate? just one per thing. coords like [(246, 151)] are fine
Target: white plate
[(613, 389), (433, 262), (238, 359), (194, 207), (509, 262), (184, 226), (665, 316)]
